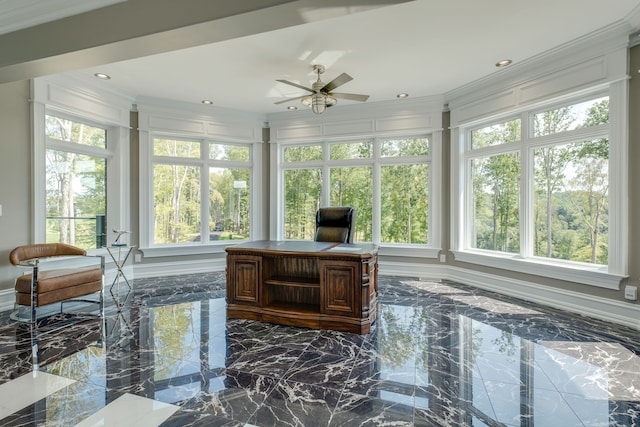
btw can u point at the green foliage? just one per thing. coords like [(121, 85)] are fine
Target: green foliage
[(403, 196), (302, 199), (354, 187), (570, 183), (405, 147), (572, 191), (302, 153), (496, 134), (75, 184), (496, 182), (360, 150), (404, 203)]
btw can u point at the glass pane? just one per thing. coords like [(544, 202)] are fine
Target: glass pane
[(405, 147), (496, 183), (584, 114), (80, 133), (302, 189), (229, 152), (405, 203), (176, 201), (353, 150), (354, 187), (497, 134), (302, 153), (229, 197), (571, 201), (76, 199), (174, 148)]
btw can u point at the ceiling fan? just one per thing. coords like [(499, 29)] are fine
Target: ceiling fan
[(321, 96)]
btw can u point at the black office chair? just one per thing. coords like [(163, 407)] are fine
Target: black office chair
[(336, 224)]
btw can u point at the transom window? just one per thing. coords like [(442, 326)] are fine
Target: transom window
[(386, 180)]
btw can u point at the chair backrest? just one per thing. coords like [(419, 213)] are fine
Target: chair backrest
[(335, 224), (42, 250)]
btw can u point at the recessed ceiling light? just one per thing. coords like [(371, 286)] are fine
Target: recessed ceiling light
[(503, 63), (102, 76), (292, 107), (207, 102), (402, 95)]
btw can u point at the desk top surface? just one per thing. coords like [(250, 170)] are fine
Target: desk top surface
[(307, 246)]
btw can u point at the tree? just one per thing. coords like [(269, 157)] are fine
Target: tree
[(496, 184), (75, 183)]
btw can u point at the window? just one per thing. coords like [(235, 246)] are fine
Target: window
[(81, 183), (538, 185), (345, 172), (200, 188), (76, 178)]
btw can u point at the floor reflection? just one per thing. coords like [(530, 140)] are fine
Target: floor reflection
[(440, 354)]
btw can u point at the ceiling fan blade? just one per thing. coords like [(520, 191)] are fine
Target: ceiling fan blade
[(290, 99), (296, 85), (338, 81), (350, 96)]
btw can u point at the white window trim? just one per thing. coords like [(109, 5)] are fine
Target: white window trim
[(608, 277), (86, 106), (428, 250), (157, 120), (203, 163)]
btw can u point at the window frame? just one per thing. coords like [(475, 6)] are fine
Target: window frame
[(76, 106), (433, 246), (184, 121), (608, 276), (203, 163)]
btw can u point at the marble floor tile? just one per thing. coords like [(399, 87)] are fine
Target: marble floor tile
[(440, 354)]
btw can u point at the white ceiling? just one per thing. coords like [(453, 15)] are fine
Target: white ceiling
[(423, 47)]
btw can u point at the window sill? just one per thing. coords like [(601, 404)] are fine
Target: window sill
[(579, 273), (186, 249)]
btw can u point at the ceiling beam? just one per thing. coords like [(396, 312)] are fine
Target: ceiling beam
[(137, 28)]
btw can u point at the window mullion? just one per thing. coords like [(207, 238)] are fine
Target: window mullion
[(204, 193), (376, 202), (527, 232), (325, 192)]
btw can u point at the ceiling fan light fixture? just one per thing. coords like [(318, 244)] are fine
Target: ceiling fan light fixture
[(318, 103)]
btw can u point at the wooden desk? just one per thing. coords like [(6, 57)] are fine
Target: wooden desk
[(303, 283)]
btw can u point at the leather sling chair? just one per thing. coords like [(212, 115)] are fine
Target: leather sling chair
[(335, 224), (42, 287)]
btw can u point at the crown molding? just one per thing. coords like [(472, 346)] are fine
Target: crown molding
[(609, 39)]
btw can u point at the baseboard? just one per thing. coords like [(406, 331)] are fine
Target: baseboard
[(601, 308), (431, 271), (182, 267)]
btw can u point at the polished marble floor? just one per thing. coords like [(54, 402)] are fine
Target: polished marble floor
[(441, 354)]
